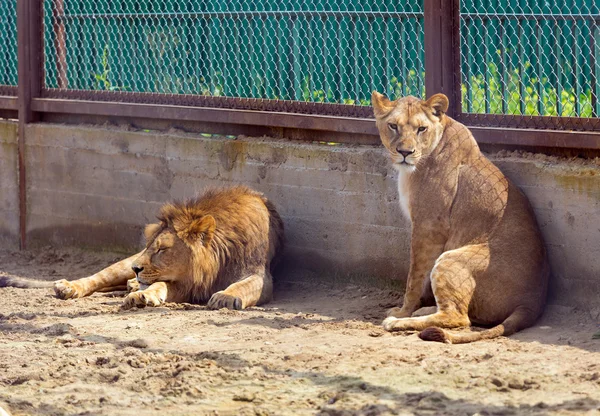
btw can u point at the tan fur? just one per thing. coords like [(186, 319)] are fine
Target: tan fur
[(217, 248), (475, 243)]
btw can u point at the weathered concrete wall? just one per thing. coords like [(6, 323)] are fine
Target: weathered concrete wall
[(339, 204), (9, 186), (566, 199), (96, 187)]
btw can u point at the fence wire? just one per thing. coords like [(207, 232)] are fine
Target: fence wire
[(334, 51), (530, 58), (527, 59), (8, 43)]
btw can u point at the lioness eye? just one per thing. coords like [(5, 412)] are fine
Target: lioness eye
[(393, 126), (421, 129)]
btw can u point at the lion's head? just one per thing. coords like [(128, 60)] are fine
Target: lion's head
[(177, 248), (410, 128)]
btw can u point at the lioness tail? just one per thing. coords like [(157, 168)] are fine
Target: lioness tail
[(521, 318), (7, 281)]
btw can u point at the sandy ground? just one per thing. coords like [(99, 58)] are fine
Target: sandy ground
[(316, 349)]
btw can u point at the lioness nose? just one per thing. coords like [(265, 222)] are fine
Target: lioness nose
[(404, 152), (137, 269)]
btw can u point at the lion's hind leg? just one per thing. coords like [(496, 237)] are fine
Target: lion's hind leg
[(113, 277), (453, 286), (253, 290)]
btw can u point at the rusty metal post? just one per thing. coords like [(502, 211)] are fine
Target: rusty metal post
[(442, 50), (29, 42)]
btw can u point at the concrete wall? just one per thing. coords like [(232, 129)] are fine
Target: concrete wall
[(566, 199), (339, 204), (96, 187), (9, 186)]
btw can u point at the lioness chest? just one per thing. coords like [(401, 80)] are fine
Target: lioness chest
[(404, 192)]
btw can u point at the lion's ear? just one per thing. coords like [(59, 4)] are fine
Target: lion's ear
[(201, 229), (438, 103), (381, 105), (151, 230)]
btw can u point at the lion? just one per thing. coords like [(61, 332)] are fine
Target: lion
[(476, 252), (217, 248)]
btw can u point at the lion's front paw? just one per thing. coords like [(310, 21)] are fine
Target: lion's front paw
[(67, 290), (222, 300), (141, 300), (133, 285)]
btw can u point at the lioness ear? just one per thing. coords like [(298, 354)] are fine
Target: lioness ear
[(201, 229), (381, 105), (438, 103), (151, 230)]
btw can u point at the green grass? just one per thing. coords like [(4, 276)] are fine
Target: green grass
[(515, 95), (523, 96)]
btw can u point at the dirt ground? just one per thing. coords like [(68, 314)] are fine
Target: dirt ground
[(316, 349)]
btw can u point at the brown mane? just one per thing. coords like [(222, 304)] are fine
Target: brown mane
[(235, 243)]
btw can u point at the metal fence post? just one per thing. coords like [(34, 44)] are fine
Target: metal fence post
[(442, 50), (29, 37)]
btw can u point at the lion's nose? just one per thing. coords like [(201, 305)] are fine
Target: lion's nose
[(404, 152), (137, 269)]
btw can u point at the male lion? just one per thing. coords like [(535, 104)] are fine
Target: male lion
[(475, 243), (218, 248)]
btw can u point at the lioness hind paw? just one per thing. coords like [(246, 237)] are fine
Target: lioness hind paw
[(397, 313), (66, 290), (222, 300)]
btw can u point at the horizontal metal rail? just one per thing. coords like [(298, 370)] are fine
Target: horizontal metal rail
[(347, 125), (9, 103), (536, 138), (188, 100), (544, 123), (243, 14), (530, 16), (8, 90)]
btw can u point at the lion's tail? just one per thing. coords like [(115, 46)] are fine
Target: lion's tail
[(7, 281), (521, 318)]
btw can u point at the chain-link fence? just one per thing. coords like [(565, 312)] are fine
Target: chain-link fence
[(8, 43), (510, 63), (531, 57), (334, 51)]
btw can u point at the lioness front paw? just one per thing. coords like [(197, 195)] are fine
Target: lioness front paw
[(141, 300), (67, 290), (222, 300), (133, 285), (391, 324)]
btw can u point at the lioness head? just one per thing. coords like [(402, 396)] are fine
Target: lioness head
[(172, 247), (410, 128)]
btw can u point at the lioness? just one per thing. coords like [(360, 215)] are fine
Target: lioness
[(218, 248), (476, 249)]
